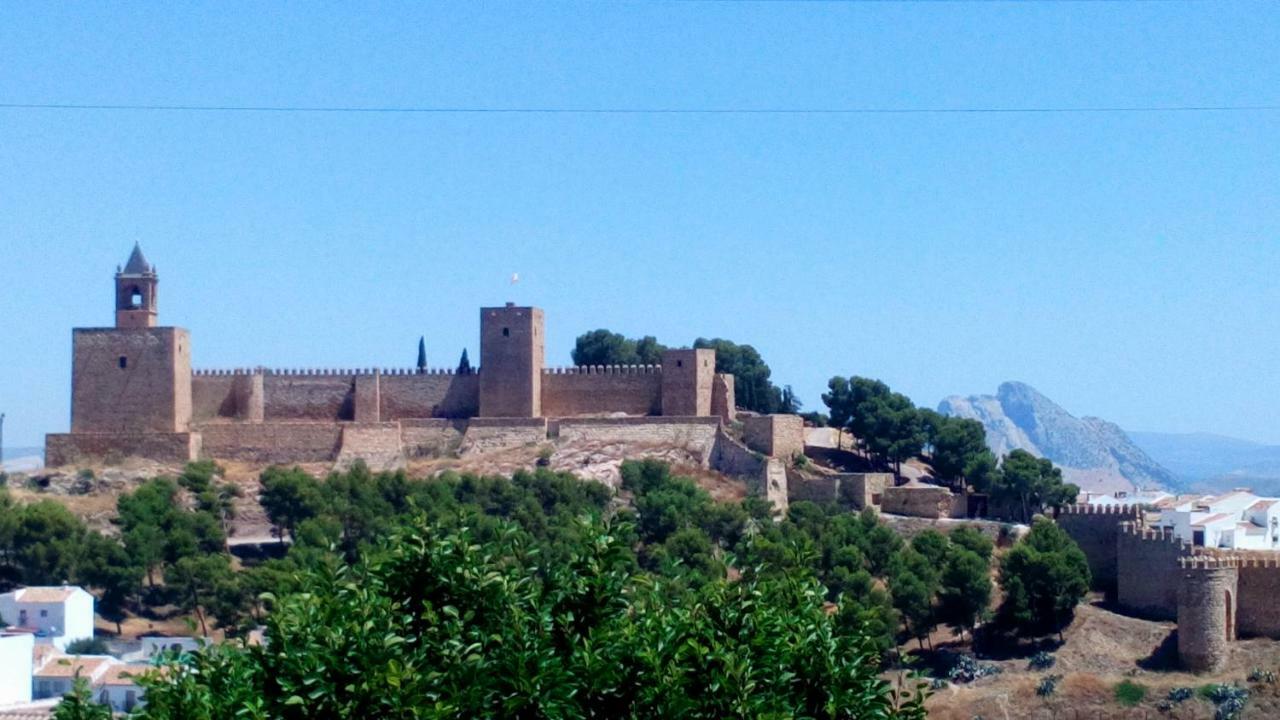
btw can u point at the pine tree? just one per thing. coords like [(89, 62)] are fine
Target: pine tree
[(422, 354), (464, 364)]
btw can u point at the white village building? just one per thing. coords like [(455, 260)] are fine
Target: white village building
[(16, 651), (1120, 497), (56, 615), (1238, 520)]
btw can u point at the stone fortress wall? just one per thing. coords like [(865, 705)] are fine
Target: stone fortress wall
[(1214, 595), (134, 393)]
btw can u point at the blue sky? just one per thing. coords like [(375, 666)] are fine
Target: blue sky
[(1124, 264)]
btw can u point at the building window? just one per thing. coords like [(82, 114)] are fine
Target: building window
[(135, 298), (44, 613), (124, 362), (506, 332), (679, 363)]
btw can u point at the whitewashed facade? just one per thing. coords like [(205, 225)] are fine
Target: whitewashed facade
[(16, 652), (58, 615), (1238, 520)]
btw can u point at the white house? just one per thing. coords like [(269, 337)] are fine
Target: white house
[(16, 652), (56, 676), (119, 687), (57, 615), (1120, 497), (1237, 520)]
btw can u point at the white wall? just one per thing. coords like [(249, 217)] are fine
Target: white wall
[(66, 621), (15, 668)]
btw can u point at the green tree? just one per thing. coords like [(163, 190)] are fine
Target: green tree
[(107, 566), (957, 445), (753, 389), (464, 363), (603, 347), (972, 539), (1044, 576), (46, 543), (289, 496), (933, 545), (913, 582), (202, 582), (79, 705), (422, 354), (1027, 485), (965, 588), (462, 630)]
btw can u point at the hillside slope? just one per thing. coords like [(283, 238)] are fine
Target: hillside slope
[(1093, 453)]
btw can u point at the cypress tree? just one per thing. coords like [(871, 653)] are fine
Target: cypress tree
[(422, 354), (464, 364)]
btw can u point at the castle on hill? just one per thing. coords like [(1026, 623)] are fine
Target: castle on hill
[(134, 393)]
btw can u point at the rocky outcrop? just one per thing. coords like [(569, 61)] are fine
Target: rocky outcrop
[(1093, 453)]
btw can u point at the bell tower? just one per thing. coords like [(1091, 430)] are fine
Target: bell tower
[(136, 292)]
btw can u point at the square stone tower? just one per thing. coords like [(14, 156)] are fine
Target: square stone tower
[(687, 377), (512, 355), (135, 377)]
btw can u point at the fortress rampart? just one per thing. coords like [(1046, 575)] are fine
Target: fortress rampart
[(1214, 595), (134, 393)]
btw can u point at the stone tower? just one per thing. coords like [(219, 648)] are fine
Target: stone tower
[(687, 377), (511, 361), (136, 292), (135, 377), (1206, 611)]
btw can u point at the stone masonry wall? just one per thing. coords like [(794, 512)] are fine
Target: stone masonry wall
[(1146, 570), (723, 397), (1258, 597), (780, 436), (273, 442), (1095, 529), (130, 380), (69, 449), (430, 395), (697, 435), (492, 434), (309, 397), (928, 502), (432, 437), (632, 389)]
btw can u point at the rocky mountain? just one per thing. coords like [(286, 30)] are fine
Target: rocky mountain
[(1213, 463), (1093, 453)]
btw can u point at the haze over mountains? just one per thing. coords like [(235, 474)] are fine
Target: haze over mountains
[(1202, 461), (1093, 453)]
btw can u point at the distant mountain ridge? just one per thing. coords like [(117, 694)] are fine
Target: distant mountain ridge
[(1093, 453), (1215, 462)]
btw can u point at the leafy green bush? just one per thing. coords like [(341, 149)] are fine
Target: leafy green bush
[(1180, 694), (442, 623), (1129, 693)]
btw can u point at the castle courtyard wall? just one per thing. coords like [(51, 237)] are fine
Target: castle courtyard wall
[(695, 434), (630, 389), (780, 436)]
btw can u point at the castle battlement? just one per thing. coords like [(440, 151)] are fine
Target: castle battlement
[(1134, 511), (1141, 531), (135, 380), (325, 372), (1209, 562), (604, 370)]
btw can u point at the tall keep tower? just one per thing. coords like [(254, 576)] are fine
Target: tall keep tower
[(135, 377), (136, 292), (511, 361)]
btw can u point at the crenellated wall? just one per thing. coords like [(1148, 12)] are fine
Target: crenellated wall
[(430, 395), (629, 389), (1095, 529), (1147, 565)]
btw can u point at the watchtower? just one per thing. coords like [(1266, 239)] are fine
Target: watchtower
[(687, 376), (135, 377), (512, 355), (136, 292), (1206, 611)]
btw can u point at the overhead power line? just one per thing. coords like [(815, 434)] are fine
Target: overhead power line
[(622, 110)]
